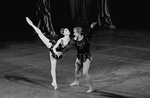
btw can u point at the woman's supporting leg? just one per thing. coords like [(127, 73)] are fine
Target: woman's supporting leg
[(53, 71), (86, 66)]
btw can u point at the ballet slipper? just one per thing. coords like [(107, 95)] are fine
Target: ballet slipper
[(75, 83), (90, 90), (55, 85), (29, 21)]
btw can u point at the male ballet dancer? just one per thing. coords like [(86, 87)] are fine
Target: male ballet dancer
[(82, 43)]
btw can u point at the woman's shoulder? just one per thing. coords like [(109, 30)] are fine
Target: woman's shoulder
[(60, 40)]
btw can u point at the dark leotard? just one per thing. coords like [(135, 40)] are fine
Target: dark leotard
[(83, 49), (59, 48)]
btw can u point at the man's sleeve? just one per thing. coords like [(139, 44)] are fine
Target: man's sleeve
[(89, 33), (67, 48)]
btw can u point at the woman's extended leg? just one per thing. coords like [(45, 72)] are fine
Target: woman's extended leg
[(40, 34), (53, 71), (43, 38), (86, 66)]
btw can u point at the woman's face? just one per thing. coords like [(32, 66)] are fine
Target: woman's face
[(66, 31)]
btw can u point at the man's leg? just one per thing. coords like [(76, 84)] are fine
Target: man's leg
[(78, 66), (86, 66)]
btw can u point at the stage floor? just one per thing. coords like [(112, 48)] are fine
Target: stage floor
[(120, 68)]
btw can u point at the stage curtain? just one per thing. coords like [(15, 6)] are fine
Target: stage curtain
[(80, 11), (104, 18), (43, 15), (86, 11)]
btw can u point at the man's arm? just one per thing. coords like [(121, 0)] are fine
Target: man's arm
[(90, 31), (68, 47)]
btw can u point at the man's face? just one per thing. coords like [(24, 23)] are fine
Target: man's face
[(76, 34)]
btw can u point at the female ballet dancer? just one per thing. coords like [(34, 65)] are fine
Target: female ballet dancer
[(53, 48)]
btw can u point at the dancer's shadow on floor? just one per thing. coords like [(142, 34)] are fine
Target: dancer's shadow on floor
[(109, 95), (21, 78)]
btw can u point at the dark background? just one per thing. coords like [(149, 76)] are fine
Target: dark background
[(128, 14)]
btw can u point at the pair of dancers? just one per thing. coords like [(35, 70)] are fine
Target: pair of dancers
[(82, 43)]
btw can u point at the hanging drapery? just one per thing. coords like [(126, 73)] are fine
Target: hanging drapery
[(43, 15), (103, 14), (80, 11), (83, 11)]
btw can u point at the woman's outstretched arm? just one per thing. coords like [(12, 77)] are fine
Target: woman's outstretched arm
[(56, 45), (40, 34)]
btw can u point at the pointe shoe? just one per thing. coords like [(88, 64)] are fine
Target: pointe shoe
[(90, 90), (75, 83), (29, 21), (55, 85)]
